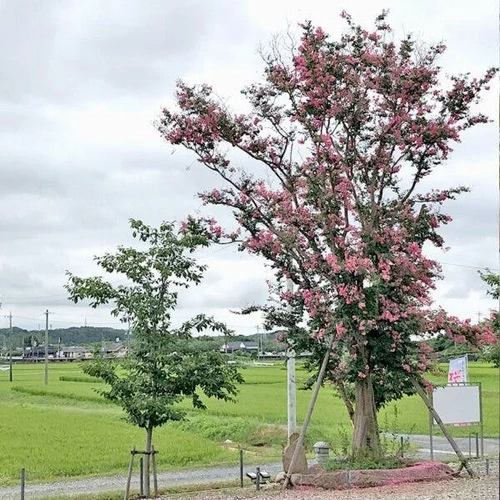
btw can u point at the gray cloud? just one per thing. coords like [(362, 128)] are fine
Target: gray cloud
[(66, 51), (82, 83), (22, 176), (30, 39)]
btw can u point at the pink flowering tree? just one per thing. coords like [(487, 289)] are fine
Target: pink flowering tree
[(493, 282), (340, 136)]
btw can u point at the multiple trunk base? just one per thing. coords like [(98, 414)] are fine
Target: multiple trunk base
[(365, 438)]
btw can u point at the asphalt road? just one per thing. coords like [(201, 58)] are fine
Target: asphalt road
[(442, 451)]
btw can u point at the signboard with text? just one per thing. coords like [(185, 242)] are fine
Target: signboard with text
[(457, 371)]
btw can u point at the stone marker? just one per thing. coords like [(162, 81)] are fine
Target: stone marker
[(300, 466), (322, 451)]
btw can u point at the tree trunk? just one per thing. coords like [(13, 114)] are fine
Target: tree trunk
[(346, 400), (365, 437), (147, 456)]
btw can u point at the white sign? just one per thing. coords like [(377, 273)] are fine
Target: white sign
[(457, 371), (4, 367), (457, 404)]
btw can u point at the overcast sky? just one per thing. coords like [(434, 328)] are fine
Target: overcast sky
[(82, 82)]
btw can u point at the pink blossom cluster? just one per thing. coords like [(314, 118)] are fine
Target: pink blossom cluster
[(335, 129)]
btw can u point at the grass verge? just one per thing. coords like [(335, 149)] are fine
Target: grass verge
[(65, 430)]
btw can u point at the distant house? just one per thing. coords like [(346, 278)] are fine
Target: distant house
[(37, 353), (74, 353), (231, 347), (114, 350)]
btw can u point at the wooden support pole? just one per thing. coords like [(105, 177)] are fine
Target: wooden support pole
[(141, 476), (155, 470), (463, 461), (129, 476)]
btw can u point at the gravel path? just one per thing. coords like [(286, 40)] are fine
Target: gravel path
[(456, 489), (115, 483), (218, 474), (486, 487)]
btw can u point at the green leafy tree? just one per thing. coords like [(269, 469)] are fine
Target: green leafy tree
[(493, 282), (162, 367)]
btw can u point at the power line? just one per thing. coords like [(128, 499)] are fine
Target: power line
[(468, 266), (204, 256)]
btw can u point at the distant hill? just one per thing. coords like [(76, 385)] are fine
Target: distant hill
[(69, 336), (82, 335)]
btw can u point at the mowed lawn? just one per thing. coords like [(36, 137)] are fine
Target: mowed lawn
[(66, 430)]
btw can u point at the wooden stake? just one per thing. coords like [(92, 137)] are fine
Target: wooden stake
[(155, 471), (129, 476), (141, 476)]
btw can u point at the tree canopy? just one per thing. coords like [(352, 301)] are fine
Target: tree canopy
[(341, 135), (493, 282)]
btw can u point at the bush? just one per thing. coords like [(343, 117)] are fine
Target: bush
[(237, 429), (93, 380)]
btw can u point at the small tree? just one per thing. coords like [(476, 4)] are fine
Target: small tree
[(161, 368), (493, 282), (339, 137)]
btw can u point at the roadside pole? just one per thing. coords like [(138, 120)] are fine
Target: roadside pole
[(10, 346), (291, 389), (46, 347)]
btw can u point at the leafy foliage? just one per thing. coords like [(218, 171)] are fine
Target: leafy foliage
[(492, 353), (162, 367), (493, 282)]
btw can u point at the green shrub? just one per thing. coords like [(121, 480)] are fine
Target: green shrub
[(93, 380)]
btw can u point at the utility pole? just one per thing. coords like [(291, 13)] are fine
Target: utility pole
[(128, 335), (290, 372), (261, 348), (10, 345), (46, 346)]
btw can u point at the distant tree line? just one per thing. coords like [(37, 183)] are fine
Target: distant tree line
[(83, 335), (87, 335)]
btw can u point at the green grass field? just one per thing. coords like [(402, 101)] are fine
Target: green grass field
[(66, 430)]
